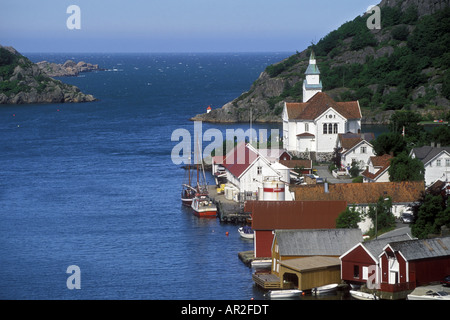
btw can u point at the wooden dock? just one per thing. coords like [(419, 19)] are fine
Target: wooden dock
[(227, 210)]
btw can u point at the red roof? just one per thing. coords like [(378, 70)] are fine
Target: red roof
[(318, 104), (239, 159)]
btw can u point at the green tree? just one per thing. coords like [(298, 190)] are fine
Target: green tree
[(405, 168), (381, 215), (349, 218), (426, 221), (389, 142)]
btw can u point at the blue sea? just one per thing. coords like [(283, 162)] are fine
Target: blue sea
[(93, 184)]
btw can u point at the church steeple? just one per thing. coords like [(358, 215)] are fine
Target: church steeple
[(312, 83)]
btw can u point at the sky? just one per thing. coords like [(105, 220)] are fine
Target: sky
[(172, 25)]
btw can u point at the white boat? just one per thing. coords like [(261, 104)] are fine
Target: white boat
[(325, 289), (279, 294), (246, 232), (430, 295), (363, 295), (262, 264)]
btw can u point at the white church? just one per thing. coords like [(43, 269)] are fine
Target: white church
[(311, 127)]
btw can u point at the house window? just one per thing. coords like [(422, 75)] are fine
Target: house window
[(306, 127), (447, 162), (325, 128), (259, 170), (330, 128), (335, 128), (363, 149), (438, 163), (356, 271)]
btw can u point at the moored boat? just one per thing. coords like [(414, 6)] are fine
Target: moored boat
[(203, 206), (429, 295), (363, 295), (187, 195), (325, 289), (279, 294), (246, 232)]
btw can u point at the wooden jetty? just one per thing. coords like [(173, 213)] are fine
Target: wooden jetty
[(227, 210)]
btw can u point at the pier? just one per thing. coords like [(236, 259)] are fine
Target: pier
[(227, 210)]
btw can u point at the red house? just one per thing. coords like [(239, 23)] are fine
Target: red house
[(268, 216), (399, 266), (360, 262)]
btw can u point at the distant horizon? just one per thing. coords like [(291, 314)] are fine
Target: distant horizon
[(161, 26)]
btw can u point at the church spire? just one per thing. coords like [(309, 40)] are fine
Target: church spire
[(312, 83)]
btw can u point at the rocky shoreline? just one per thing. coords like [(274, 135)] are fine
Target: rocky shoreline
[(24, 82)]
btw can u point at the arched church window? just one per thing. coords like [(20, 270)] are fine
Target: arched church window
[(335, 128), (325, 128)]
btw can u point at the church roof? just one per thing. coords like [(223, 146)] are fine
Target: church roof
[(312, 69), (318, 104)]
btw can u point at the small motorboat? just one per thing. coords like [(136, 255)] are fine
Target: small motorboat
[(363, 295), (325, 289), (280, 294), (430, 295), (246, 232)]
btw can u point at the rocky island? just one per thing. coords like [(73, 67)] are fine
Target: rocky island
[(67, 69), (24, 82)]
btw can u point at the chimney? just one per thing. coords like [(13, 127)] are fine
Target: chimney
[(438, 145)]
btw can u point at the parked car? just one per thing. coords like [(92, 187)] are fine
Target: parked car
[(446, 281), (406, 217)]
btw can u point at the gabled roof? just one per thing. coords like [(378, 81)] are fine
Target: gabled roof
[(376, 246), (316, 242), (349, 140), (362, 193), (421, 248), (239, 159), (381, 162), (428, 153), (320, 103)]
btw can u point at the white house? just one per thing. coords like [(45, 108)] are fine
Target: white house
[(436, 161), (355, 147), (248, 173), (377, 169), (312, 126)]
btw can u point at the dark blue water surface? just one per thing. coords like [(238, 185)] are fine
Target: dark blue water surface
[(93, 184)]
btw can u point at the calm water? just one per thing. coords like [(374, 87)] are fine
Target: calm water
[(93, 185)]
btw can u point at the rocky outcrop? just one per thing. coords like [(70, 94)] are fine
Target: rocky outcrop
[(24, 82), (67, 69)]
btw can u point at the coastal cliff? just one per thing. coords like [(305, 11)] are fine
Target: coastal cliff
[(402, 66), (24, 82)]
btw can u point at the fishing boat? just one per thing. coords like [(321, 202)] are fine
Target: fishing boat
[(363, 295), (429, 295), (279, 294), (246, 232), (187, 190), (325, 289), (203, 206)]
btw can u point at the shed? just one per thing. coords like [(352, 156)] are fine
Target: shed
[(268, 216)]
